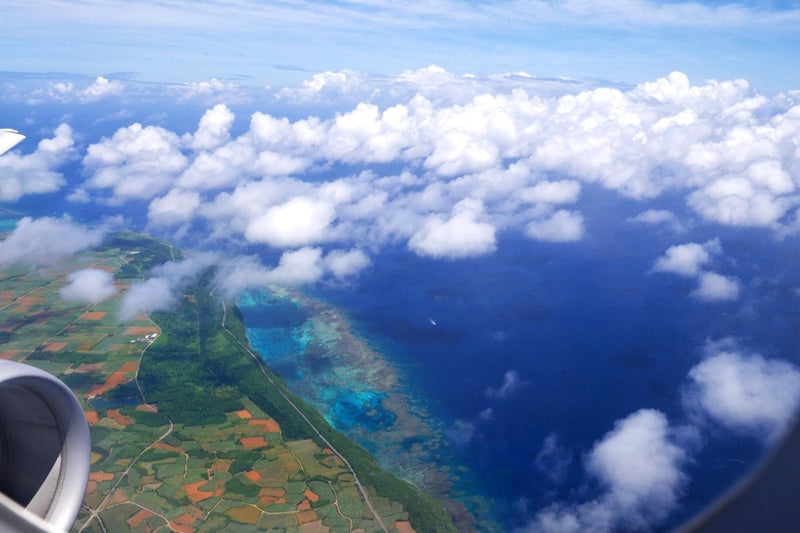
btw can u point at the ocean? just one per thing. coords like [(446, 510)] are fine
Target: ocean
[(535, 343)]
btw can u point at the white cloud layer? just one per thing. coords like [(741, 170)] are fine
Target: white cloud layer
[(45, 241), (473, 159)]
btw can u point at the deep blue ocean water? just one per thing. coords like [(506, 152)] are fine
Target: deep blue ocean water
[(591, 332)]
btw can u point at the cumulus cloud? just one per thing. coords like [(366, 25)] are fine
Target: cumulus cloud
[(45, 241), (137, 162), (328, 85), (211, 89), (296, 267), (100, 88), (715, 287), (552, 192), (175, 207), (744, 391), (640, 467), (35, 173), (511, 383), (561, 226), (462, 235), (213, 130), (89, 285), (687, 259), (298, 222), (346, 264), (477, 156)]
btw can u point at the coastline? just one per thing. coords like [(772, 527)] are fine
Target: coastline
[(361, 393)]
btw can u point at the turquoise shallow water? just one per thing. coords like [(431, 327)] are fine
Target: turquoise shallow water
[(358, 390)]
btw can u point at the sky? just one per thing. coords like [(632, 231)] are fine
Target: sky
[(278, 42), (292, 143)]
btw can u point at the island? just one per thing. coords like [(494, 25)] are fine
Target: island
[(190, 430)]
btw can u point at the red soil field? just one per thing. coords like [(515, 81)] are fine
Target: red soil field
[(270, 426), (101, 476), (250, 443), (194, 493), (119, 418), (116, 378), (89, 367), (404, 527), (303, 517), (55, 346), (139, 517)]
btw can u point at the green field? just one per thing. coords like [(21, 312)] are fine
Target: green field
[(190, 431)]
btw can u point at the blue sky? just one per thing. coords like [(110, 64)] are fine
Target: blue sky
[(274, 42)]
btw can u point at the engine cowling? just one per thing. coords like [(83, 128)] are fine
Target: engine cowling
[(45, 451)]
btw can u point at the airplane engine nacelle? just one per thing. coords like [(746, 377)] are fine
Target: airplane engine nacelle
[(45, 451)]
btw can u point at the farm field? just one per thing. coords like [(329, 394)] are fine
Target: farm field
[(190, 432)]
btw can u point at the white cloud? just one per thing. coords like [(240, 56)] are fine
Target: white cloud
[(135, 163), (552, 192), (46, 240), (640, 466), (744, 391), (686, 259), (161, 290), (89, 285), (155, 294), (175, 207), (660, 216), (100, 88), (511, 383), (346, 264), (462, 235), (298, 267), (462, 139), (328, 85), (35, 173), (212, 89), (213, 130), (298, 222), (716, 288), (562, 226)]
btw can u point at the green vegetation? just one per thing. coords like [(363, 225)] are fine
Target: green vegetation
[(145, 257), (197, 370), (213, 441)]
